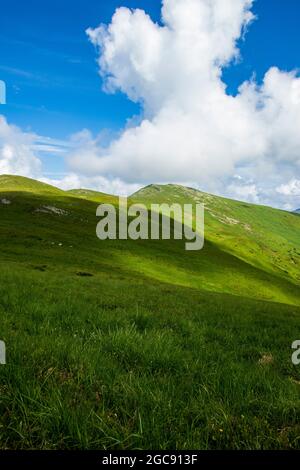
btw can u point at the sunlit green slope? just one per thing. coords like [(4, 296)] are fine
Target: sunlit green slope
[(266, 238), (250, 251), (124, 344), (10, 183)]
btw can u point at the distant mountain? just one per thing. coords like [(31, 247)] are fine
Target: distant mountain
[(90, 195), (261, 236), (11, 183), (250, 250), (297, 211)]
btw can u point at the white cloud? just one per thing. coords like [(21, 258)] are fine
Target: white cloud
[(192, 129), (20, 155), (97, 183), (16, 154), (245, 192), (292, 188)]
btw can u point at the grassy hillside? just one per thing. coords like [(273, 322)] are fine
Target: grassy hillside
[(93, 196), (264, 238), (140, 344), (10, 184)]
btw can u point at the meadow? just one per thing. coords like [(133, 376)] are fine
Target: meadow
[(140, 344)]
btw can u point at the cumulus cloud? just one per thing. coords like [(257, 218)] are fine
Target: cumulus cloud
[(292, 188), (192, 129), (16, 153), (244, 190), (20, 154), (97, 183)]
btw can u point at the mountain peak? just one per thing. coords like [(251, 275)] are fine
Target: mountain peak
[(164, 190)]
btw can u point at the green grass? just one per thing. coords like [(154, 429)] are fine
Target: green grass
[(141, 345), (10, 184), (263, 237)]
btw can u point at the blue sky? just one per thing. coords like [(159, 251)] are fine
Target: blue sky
[(50, 68), (51, 74)]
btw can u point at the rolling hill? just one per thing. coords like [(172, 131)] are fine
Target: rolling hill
[(95, 196), (14, 184), (140, 344), (262, 237)]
